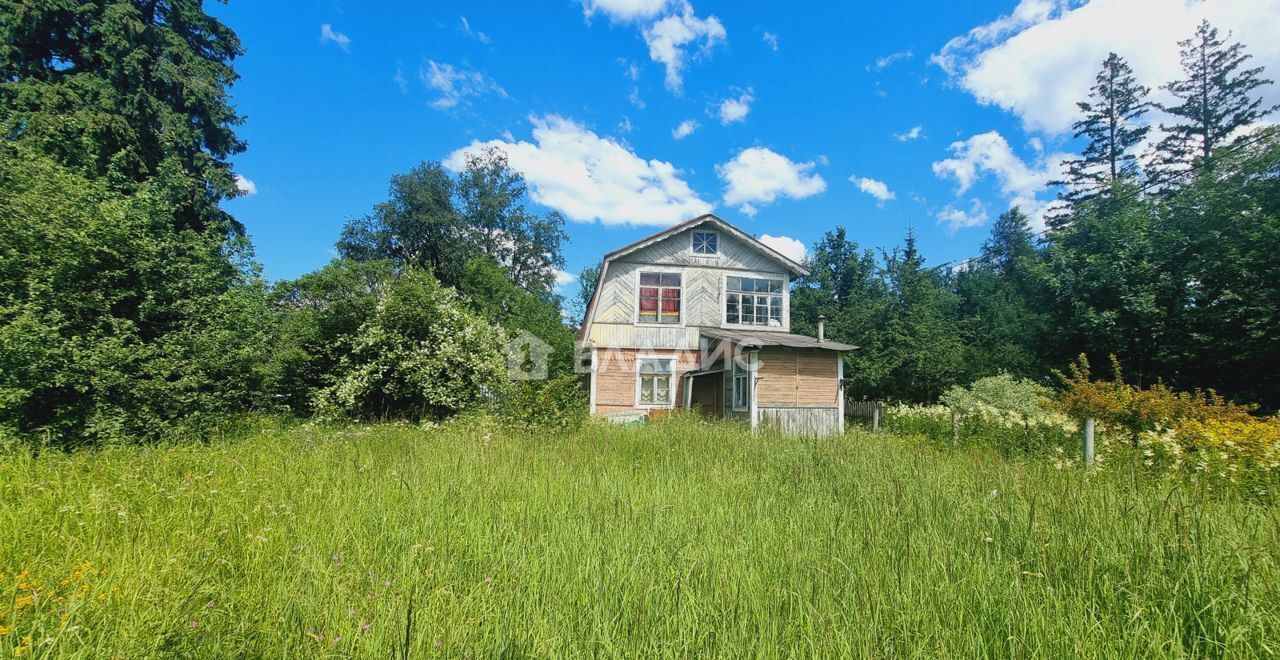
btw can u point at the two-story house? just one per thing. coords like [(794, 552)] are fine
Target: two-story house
[(698, 316)]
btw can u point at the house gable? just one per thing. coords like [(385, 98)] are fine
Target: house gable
[(614, 301)]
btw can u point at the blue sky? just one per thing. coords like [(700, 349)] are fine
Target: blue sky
[(874, 116)]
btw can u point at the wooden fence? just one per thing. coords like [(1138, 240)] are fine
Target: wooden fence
[(868, 412)]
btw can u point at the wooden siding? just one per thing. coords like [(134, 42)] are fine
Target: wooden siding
[(701, 295), (795, 378), (616, 378), (733, 253), (617, 335), (801, 421)]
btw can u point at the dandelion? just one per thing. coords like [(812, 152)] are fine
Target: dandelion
[(5, 630)]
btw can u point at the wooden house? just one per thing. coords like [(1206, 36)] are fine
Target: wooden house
[(698, 316)]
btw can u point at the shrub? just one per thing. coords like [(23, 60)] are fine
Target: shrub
[(556, 404), (422, 355), (114, 325), (1133, 410)]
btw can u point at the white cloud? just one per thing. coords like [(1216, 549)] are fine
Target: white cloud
[(624, 11), (732, 110), (1019, 182), (456, 85), (955, 218), (786, 246), (1038, 61), (246, 186), (759, 176), (635, 99), (624, 126), (474, 34), (685, 129), (401, 81), (564, 278), (328, 34), (877, 189), (886, 61), (909, 135), (771, 40), (588, 178), (669, 37)]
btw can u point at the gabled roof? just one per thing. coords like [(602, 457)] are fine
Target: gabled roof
[(706, 218)]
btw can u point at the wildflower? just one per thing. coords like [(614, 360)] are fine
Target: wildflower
[(488, 579), (194, 624), (22, 601), (5, 630)]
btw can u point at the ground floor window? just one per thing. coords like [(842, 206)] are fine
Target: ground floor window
[(656, 378), (741, 383)]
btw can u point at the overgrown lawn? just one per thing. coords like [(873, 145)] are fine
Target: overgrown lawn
[(679, 539)]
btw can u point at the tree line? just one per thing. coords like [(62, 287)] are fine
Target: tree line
[(132, 307), (1168, 260)]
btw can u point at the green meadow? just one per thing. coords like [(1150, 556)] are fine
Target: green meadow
[(676, 539)]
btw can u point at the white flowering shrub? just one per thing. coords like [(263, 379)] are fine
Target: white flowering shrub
[(1003, 412), (422, 356)]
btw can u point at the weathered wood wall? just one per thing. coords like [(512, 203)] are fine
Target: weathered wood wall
[(798, 378), (701, 283), (801, 421)]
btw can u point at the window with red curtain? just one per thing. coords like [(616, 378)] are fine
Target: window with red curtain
[(659, 298)]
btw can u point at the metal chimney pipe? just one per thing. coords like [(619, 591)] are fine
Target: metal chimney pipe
[(822, 328)]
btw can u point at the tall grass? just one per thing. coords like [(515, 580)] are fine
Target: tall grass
[(679, 539)]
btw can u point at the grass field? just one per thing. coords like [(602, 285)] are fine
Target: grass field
[(679, 539)]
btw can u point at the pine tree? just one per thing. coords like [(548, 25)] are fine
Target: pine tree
[(1110, 123), (1215, 97)]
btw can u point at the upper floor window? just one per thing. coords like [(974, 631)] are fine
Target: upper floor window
[(706, 242), (753, 301), (659, 298)]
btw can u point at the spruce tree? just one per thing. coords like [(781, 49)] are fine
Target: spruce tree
[(1216, 99), (1110, 123), (126, 91)]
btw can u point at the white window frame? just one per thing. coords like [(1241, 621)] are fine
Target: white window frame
[(724, 300), (636, 299), (671, 378), (742, 369), (704, 255)]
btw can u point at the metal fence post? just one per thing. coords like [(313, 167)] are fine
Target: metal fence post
[(1088, 442)]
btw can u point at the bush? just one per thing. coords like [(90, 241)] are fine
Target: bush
[(422, 356), (556, 404), (114, 325)]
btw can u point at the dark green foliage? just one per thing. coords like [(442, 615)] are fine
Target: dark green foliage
[(587, 281), (921, 343), (322, 312), (1001, 307), (545, 406), (1117, 290), (845, 285), (900, 313), (437, 223), (126, 91), (1217, 99), (489, 291), (112, 324), (1110, 124), (1230, 227)]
